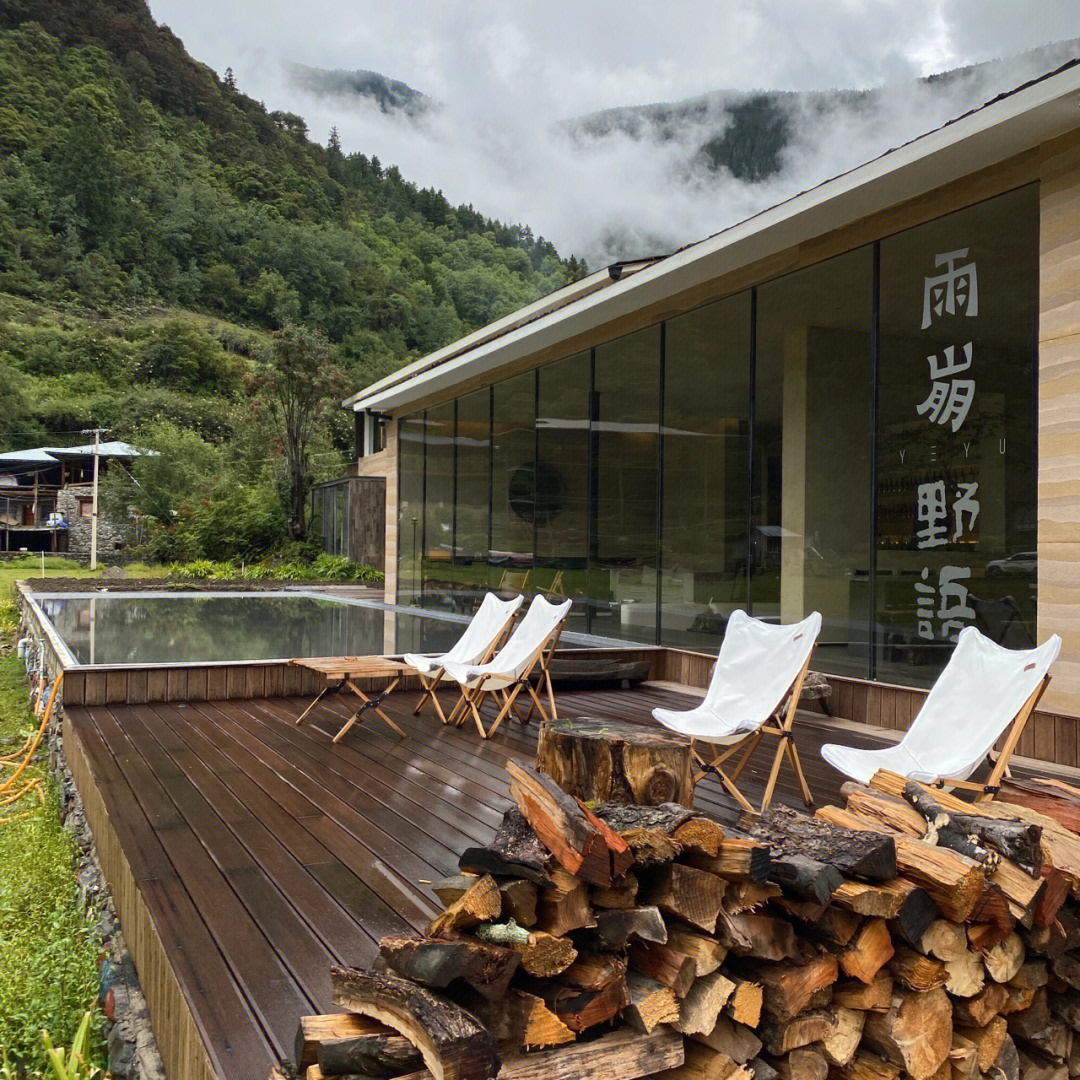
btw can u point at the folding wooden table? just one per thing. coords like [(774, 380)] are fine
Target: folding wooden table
[(343, 673)]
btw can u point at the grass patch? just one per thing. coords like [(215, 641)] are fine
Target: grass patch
[(48, 947)]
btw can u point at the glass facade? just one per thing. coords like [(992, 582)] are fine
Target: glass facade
[(856, 437)]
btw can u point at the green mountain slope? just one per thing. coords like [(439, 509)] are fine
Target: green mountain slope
[(156, 225)]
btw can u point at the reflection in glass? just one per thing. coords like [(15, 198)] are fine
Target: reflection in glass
[(956, 435), (410, 507), (438, 569), (706, 442), (513, 456), (562, 483), (626, 427), (810, 524), (472, 513)]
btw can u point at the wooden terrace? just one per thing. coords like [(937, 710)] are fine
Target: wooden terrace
[(247, 854)]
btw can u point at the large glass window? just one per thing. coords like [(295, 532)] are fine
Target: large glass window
[(562, 482), (810, 531), (473, 507), (438, 559), (513, 444), (956, 440), (625, 439), (410, 536), (706, 471)]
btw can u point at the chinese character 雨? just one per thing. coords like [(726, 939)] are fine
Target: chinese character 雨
[(955, 289), (931, 512), (948, 401), (965, 502)]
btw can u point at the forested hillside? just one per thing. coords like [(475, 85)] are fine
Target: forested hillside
[(157, 225)]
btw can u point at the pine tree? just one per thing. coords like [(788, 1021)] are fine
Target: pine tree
[(230, 79), (333, 144)]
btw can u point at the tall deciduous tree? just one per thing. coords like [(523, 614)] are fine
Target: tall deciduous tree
[(302, 381)]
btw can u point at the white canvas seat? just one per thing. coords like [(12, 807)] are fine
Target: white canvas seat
[(507, 673), (758, 666), (479, 640), (982, 691)]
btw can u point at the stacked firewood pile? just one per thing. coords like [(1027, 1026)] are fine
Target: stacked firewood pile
[(906, 935)]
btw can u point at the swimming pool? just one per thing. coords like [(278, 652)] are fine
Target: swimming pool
[(136, 628)]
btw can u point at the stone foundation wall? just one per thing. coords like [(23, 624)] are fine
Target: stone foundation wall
[(111, 537)]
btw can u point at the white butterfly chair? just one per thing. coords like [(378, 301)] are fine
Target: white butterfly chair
[(982, 691), (481, 638), (759, 665), (507, 673)]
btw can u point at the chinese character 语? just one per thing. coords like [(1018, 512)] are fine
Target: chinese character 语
[(948, 401), (965, 502), (950, 366), (954, 608), (925, 606), (955, 289), (931, 512)]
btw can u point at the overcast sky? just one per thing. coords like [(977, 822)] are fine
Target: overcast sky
[(506, 72)]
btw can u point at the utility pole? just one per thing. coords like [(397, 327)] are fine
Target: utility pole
[(97, 433)]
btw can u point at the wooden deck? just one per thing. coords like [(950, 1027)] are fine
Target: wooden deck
[(246, 854)]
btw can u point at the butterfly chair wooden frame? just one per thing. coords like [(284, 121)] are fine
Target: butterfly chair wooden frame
[(777, 725), (986, 791), (430, 683), (472, 700)]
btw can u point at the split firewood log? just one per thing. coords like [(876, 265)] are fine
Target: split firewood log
[(615, 929), (521, 1020), (674, 969), (915, 1034), (979, 1010), (518, 895), (315, 1029), (873, 997), (735, 1039), (868, 952), (375, 1055), (868, 1066), (944, 940), (743, 896), (852, 852), (514, 852), (966, 975), (544, 955), (1005, 958), (789, 988), (835, 926), (764, 937), (1017, 999), (900, 900), (1035, 1065), (702, 1003), (654, 831), (1067, 1006), (744, 1005), (1007, 1064), (704, 1063), (707, 953), (436, 962), (563, 904), (1037, 1026), (917, 972), (987, 1040), (1033, 973), (454, 1044), (737, 860), (1055, 893), (482, 902), (621, 893), (806, 1063), (842, 1044), (783, 1036), (651, 1002), (689, 894), (594, 971), (582, 1009), (956, 883), (579, 840)]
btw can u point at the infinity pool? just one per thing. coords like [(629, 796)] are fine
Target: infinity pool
[(169, 628)]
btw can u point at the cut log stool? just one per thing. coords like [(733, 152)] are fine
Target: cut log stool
[(611, 761)]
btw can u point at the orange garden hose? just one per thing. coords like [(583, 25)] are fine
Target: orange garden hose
[(30, 748)]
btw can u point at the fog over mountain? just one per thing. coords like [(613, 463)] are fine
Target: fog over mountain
[(641, 179)]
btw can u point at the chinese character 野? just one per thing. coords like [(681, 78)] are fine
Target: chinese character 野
[(948, 401), (955, 289), (931, 512), (967, 504)]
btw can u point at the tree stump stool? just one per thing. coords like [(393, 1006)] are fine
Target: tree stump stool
[(611, 761)]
